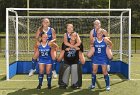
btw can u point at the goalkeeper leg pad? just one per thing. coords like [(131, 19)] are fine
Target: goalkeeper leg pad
[(64, 74), (76, 73)]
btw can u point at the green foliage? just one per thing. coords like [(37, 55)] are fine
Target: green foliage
[(9, 4), (133, 4), (135, 8)]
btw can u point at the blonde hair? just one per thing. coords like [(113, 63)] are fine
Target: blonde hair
[(41, 27), (101, 30), (97, 21)]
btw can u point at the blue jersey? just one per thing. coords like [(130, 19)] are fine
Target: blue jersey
[(100, 56), (44, 54), (68, 37), (49, 33), (95, 33)]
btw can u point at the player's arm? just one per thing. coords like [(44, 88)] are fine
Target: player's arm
[(37, 35), (67, 49), (78, 40), (108, 42), (105, 33), (91, 51), (53, 33), (53, 41), (66, 41), (53, 45), (61, 56), (77, 48), (91, 38), (36, 53), (81, 57)]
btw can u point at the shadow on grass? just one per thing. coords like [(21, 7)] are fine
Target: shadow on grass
[(111, 84), (2, 77), (56, 91)]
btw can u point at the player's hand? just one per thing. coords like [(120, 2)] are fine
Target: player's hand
[(110, 46), (72, 46), (53, 40), (51, 44), (77, 48), (67, 49)]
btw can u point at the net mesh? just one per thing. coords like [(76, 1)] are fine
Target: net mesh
[(28, 25)]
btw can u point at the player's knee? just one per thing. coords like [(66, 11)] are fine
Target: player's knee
[(105, 72), (94, 71), (48, 71), (41, 71)]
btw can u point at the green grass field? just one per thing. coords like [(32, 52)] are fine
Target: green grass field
[(119, 85)]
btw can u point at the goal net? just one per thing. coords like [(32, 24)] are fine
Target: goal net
[(22, 24)]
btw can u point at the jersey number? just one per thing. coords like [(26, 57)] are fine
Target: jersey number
[(99, 50), (71, 54), (44, 53)]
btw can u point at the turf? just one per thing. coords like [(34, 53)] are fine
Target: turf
[(119, 85)]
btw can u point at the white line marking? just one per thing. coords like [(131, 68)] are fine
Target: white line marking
[(136, 73), (82, 80)]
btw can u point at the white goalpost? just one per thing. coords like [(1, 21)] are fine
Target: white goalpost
[(21, 29)]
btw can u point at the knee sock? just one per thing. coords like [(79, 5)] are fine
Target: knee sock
[(107, 80), (40, 78), (54, 65), (93, 79), (49, 78)]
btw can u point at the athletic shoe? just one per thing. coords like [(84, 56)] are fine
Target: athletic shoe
[(54, 74), (107, 88), (62, 87), (75, 87), (108, 68), (91, 87), (32, 72), (39, 87), (49, 87)]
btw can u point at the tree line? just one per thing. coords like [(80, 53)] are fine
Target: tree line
[(133, 4)]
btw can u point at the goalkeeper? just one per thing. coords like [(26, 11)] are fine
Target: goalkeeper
[(71, 65)]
